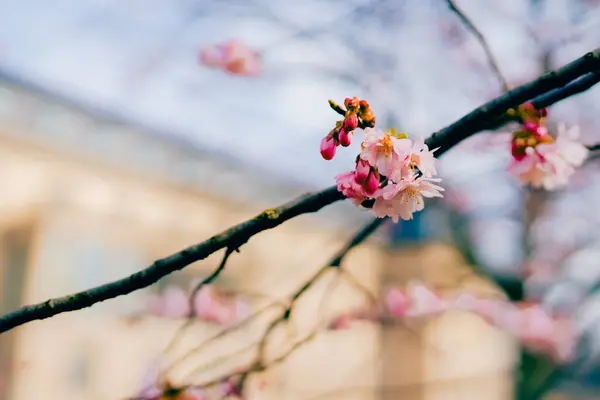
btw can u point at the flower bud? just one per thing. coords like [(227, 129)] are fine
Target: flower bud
[(351, 103), (328, 147), (345, 137), (518, 149), (367, 117), (363, 169), (372, 183), (530, 126), (350, 121)]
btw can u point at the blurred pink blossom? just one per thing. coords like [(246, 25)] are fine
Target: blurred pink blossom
[(528, 322), (417, 301), (232, 57), (173, 302), (346, 320), (149, 387), (549, 164)]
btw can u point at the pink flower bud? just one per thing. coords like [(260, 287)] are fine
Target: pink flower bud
[(531, 126), (518, 151), (350, 122), (345, 137), (372, 183), (328, 147), (363, 169)]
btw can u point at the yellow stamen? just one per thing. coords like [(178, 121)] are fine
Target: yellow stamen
[(387, 146)]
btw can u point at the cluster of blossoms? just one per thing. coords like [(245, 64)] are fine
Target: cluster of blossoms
[(529, 322), (231, 57), (540, 160), (393, 173), (174, 302)]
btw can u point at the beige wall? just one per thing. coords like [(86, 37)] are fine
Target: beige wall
[(71, 199), (455, 356)]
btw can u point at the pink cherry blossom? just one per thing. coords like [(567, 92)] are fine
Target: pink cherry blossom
[(391, 171), (421, 157), (550, 165), (541, 167), (348, 185), (231, 57), (403, 199), (383, 151), (568, 147)]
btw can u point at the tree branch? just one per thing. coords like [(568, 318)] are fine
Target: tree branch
[(236, 236), (232, 237), (486, 48), (477, 119), (577, 86)]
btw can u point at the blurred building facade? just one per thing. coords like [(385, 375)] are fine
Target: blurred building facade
[(90, 197)]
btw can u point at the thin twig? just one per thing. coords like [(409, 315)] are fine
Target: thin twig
[(577, 86), (206, 281), (359, 286), (484, 44), (260, 364), (221, 359), (220, 335), (236, 236)]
